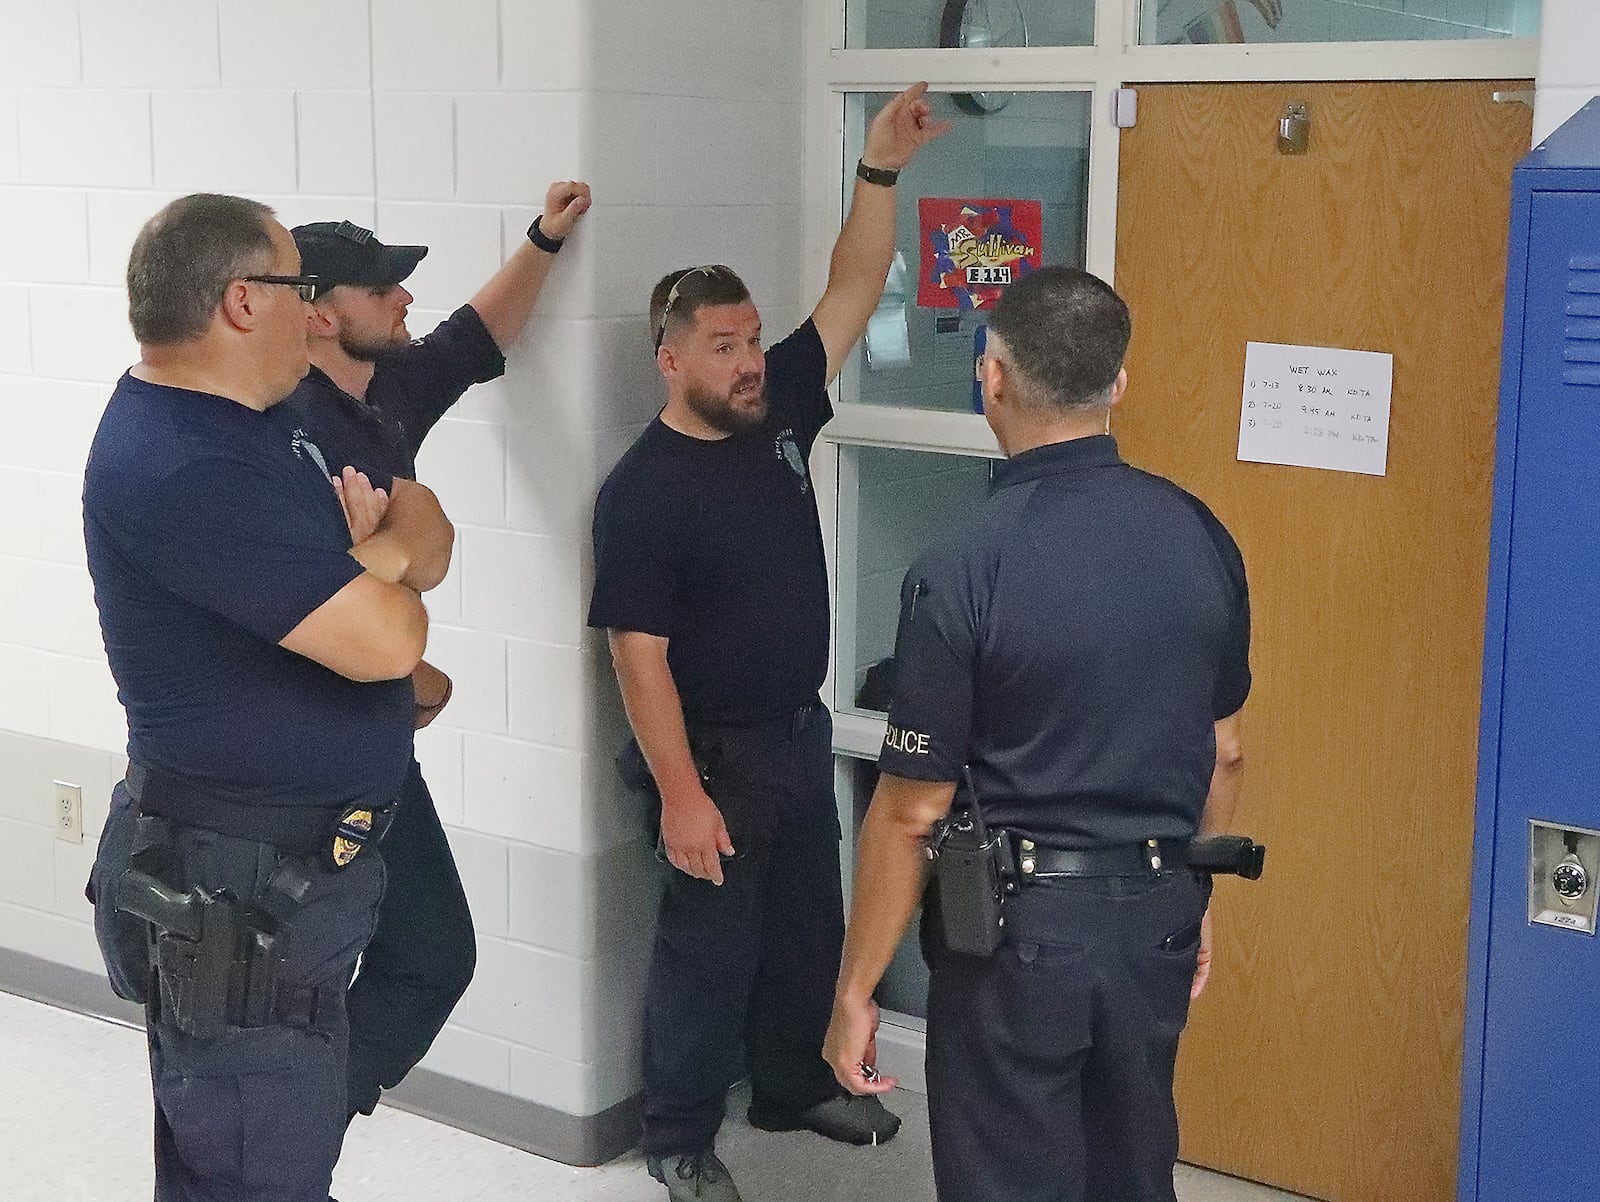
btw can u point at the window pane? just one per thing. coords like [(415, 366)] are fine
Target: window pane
[(1209, 21), (1022, 165), (892, 505), (899, 24)]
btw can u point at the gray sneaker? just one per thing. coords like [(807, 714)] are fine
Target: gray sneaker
[(694, 1178)]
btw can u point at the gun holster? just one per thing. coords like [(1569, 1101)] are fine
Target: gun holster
[(1227, 855), (216, 961)]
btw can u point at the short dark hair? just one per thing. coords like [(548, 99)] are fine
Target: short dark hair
[(1067, 332), (185, 257), (712, 284)]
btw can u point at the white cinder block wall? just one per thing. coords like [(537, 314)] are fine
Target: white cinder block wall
[(1569, 62), (439, 124)]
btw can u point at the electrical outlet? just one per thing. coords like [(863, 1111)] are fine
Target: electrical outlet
[(69, 812)]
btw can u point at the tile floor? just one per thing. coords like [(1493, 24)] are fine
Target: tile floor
[(75, 1117)]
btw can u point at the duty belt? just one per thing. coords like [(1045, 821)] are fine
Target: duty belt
[(334, 835), (1221, 854), (1038, 862)]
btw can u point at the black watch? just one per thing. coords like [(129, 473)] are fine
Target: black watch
[(543, 240), (881, 176)]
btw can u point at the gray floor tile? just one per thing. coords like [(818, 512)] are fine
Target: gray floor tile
[(75, 1110)]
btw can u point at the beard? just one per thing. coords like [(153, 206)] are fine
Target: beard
[(369, 350), (742, 407)]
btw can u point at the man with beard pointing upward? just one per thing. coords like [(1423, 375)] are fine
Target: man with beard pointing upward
[(710, 581)]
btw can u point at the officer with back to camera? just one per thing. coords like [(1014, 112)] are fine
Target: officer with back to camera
[(1078, 650), (260, 626)]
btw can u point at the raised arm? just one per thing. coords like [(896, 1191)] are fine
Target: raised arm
[(506, 302), (865, 248)]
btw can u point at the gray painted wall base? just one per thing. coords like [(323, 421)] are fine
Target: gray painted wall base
[(581, 1140)]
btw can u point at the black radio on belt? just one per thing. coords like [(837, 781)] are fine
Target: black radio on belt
[(975, 868)]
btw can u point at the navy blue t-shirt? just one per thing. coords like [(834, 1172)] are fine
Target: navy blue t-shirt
[(412, 387), (1075, 643), (715, 546), (212, 531)]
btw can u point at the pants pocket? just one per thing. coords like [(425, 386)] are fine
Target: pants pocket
[(123, 939)]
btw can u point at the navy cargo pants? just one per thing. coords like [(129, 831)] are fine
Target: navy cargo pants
[(421, 959), (256, 1114), (743, 973), (1050, 1062)]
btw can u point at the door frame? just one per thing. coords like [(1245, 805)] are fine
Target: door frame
[(1116, 59)]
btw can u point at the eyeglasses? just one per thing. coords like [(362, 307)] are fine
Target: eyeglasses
[(709, 270), (305, 285)]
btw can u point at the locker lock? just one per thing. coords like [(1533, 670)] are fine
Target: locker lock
[(1562, 864), (1570, 879)]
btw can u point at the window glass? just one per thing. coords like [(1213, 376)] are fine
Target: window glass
[(1007, 190), (892, 505), (978, 24), (1224, 21)]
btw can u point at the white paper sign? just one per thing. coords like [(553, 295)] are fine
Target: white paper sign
[(1313, 406)]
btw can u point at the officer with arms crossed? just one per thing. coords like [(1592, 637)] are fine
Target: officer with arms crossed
[(254, 642), (371, 397), (709, 577), (1080, 647)]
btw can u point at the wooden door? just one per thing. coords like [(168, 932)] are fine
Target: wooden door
[(1326, 1056)]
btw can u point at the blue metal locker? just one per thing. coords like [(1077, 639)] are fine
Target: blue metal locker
[(1530, 1124)]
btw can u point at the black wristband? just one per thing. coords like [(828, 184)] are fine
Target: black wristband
[(881, 176), (543, 240)]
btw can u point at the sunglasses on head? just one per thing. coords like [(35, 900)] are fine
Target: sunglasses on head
[(709, 270)]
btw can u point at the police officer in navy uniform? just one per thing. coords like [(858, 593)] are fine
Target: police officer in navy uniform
[(261, 628), (371, 397), (711, 582), (1080, 646)]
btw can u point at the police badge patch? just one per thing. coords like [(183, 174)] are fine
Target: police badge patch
[(351, 835), (789, 451)]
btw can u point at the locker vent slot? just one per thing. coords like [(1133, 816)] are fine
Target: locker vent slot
[(1581, 346)]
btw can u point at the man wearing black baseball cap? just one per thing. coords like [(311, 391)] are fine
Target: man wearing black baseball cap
[(371, 397)]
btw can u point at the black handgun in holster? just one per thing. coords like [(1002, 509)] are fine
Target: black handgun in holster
[(1227, 855), (974, 868), (217, 961), (194, 936)]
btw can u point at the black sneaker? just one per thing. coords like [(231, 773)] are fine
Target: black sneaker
[(848, 1118), (691, 1177)]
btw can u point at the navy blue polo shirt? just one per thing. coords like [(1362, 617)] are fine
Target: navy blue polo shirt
[(412, 388), (1075, 643), (212, 530), (715, 546)]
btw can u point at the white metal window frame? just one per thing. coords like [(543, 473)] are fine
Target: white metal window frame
[(833, 72), (1116, 59)]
